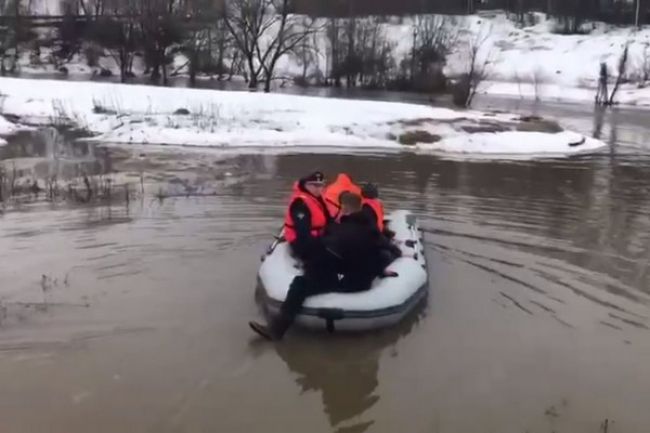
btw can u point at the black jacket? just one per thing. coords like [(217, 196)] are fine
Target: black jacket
[(358, 245)]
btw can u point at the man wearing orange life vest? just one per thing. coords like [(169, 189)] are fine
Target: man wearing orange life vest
[(305, 222), (332, 194), (307, 216), (373, 208)]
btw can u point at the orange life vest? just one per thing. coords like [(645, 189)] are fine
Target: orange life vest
[(378, 207), (316, 211), (333, 192)]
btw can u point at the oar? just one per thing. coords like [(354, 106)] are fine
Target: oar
[(278, 238)]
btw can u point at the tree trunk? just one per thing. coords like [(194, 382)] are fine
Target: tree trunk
[(252, 84), (220, 62), (267, 83), (194, 58), (233, 65), (16, 33), (164, 74)]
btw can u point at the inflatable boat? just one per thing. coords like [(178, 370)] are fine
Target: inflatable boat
[(387, 302)]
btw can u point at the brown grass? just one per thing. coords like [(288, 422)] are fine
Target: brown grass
[(411, 138)]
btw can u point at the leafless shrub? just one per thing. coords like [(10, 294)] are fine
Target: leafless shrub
[(64, 115), (602, 97), (264, 31), (537, 80), (478, 58), (434, 37)]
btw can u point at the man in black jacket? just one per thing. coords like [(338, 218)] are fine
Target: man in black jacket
[(359, 245), (305, 223)]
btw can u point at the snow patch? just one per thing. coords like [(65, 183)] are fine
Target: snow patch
[(517, 142), (130, 114)]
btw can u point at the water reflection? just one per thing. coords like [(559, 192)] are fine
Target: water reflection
[(48, 152), (344, 369)]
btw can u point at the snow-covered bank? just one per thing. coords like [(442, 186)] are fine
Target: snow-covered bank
[(535, 63), (157, 115), (627, 95)]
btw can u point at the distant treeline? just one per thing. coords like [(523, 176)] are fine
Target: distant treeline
[(610, 11)]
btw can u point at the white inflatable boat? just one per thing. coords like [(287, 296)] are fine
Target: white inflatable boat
[(386, 303)]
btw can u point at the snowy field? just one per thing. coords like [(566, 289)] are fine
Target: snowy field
[(136, 114), (529, 62)]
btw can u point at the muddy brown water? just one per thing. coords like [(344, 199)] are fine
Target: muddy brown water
[(133, 318)]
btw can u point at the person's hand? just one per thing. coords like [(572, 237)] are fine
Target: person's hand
[(389, 274)]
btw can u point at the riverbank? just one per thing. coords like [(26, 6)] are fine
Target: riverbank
[(137, 114)]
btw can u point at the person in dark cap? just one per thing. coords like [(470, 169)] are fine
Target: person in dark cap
[(305, 222), (306, 216)]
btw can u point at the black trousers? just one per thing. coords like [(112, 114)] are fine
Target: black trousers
[(320, 276)]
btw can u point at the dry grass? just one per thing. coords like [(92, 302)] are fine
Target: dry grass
[(538, 124), (85, 189), (66, 116), (411, 138), (205, 117)]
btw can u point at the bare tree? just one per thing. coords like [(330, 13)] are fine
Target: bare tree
[(92, 8), (15, 33), (433, 39), (6, 36), (334, 52), (264, 31), (478, 57), (306, 54), (291, 32), (248, 21), (162, 34), (375, 53), (646, 62), (223, 49), (121, 39), (538, 81), (602, 94), (69, 35), (622, 68)]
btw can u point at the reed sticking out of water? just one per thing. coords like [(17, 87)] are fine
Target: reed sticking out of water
[(46, 286), (605, 426), (85, 189), (13, 179), (161, 195), (3, 312)]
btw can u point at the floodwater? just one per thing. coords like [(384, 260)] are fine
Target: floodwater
[(133, 317)]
